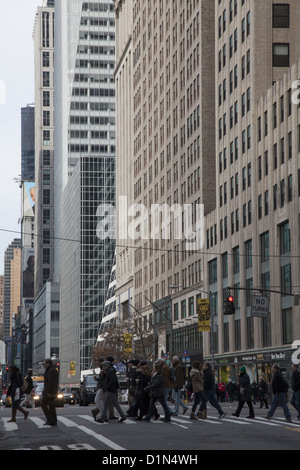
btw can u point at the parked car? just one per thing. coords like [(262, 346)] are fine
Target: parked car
[(87, 391), (59, 402)]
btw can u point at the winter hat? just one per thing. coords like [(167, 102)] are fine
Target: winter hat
[(243, 369)]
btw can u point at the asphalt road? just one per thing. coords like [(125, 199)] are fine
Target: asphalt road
[(76, 430)]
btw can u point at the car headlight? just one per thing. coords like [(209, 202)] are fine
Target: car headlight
[(36, 397), (60, 395)]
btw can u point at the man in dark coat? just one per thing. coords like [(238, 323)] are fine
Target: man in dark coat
[(279, 388), (50, 392), (209, 393), (244, 393)]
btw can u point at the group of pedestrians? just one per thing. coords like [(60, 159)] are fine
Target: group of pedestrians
[(279, 390), (203, 386), (145, 388)]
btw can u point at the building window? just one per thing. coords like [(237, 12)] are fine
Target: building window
[(175, 312), (286, 279), (287, 325), (237, 335), (236, 260), (183, 309), (281, 55), (265, 247), (285, 238), (281, 16), (213, 273)]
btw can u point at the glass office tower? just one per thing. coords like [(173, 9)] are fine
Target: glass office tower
[(87, 260)]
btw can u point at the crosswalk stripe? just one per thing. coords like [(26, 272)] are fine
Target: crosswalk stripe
[(9, 426), (101, 438), (67, 422), (38, 422), (235, 421), (263, 421), (282, 421)]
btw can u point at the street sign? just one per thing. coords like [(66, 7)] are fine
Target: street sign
[(203, 311), (260, 306), (72, 368)]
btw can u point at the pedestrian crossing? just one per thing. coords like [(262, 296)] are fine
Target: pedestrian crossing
[(182, 422)]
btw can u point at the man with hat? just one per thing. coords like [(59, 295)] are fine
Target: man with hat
[(244, 393)]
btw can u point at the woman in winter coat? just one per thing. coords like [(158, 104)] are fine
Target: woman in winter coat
[(244, 393), (142, 396), (196, 376), (156, 388), (14, 391)]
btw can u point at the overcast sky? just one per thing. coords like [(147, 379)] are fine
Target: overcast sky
[(17, 75)]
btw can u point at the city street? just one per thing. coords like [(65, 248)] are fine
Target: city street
[(76, 430)]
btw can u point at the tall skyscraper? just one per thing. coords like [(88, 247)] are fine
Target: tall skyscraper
[(27, 143), (257, 212), (8, 257), (84, 116), (170, 159), (84, 106), (43, 37), (215, 120)]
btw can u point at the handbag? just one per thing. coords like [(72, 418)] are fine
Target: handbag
[(24, 385), (189, 387)]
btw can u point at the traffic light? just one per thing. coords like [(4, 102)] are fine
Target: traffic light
[(229, 308), (56, 363)]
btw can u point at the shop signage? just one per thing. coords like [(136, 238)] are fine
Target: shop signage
[(249, 358), (277, 356)]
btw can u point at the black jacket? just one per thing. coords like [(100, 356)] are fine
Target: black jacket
[(111, 383), (279, 385), (296, 381), (156, 386), (208, 380), (244, 383), (16, 382), (50, 382)]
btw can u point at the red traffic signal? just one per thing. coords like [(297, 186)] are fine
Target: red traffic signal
[(229, 306)]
